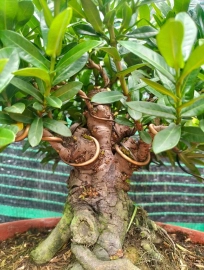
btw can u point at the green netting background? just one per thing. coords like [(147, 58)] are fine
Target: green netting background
[(30, 190)]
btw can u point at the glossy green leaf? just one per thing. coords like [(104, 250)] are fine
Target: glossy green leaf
[(46, 12), (6, 136), (3, 62), (160, 88), (145, 137), (134, 114), (202, 124), (144, 15), (57, 127), (181, 5), (68, 91), (16, 108), (192, 134), (107, 97), (126, 16), (188, 86), (35, 132), (34, 72), (75, 53), (8, 11), (152, 109), (166, 139), (85, 29), (6, 75), (26, 117), (37, 106), (25, 12), (77, 10), (92, 15), (143, 32), (148, 55), (195, 60), (56, 32), (113, 52), (192, 108), (169, 41), (123, 121), (70, 70), (109, 18), (129, 70), (190, 33), (5, 119), (54, 102), (27, 50), (27, 88)]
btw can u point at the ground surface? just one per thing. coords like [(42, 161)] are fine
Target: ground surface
[(14, 253)]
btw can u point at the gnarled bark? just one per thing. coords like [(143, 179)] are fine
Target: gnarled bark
[(98, 197)]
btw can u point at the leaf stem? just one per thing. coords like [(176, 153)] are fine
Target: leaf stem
[(56, 7)]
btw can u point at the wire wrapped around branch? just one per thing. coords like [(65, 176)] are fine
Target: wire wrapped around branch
[(138, 163)]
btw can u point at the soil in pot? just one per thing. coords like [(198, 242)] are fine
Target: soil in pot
[(14, 252)]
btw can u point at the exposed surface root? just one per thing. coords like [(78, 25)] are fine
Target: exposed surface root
[(54, 242)]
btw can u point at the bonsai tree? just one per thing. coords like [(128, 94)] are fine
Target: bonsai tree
[(107, 87)]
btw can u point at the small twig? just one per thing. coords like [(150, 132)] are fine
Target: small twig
[(132, 218), (138, 163), (102, 72)]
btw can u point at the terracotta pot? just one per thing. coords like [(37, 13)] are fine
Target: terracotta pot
[(9, 229)]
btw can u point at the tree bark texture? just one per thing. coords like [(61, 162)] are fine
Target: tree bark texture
[(98, 209)]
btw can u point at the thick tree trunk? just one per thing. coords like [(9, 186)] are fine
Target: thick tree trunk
[(98, 210)]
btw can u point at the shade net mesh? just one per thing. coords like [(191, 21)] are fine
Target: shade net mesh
[(30, 190)]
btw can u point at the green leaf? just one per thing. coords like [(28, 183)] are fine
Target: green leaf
[(75, 53), (126, 16), (181, 5), (5, 119), (35, 132), (195, 60), (143, 32), (16, 108), (54, 102), (25, 12), (192, 108), (6, 136), (85, 29), (169, 41), (192, 134), (27, 88), (113, 52), (107, 97), (3, 62), (152, 109), (123, 121), (37, 106), (190, 33), (155, 59), (145, 137), (202, 124), (26, 117), (34, 72), (56, 32), (27, 51), (144, 15), (166, 139), (160, 88), (8, 11), (46, 12), (92, 15), (6, 75), (134, 114), (57, 127), (109, 18), (70, 70), (189, 84), (68, 91), (77, 10), (129, 70)]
